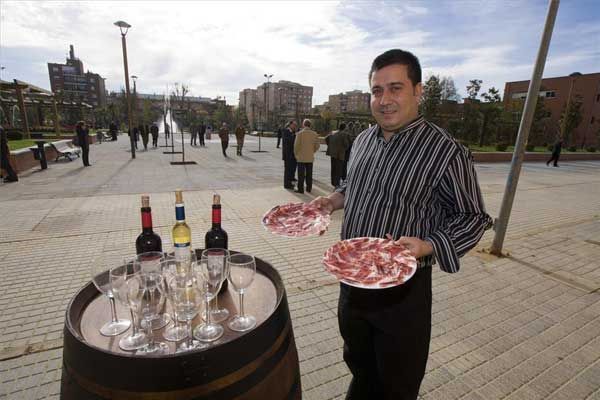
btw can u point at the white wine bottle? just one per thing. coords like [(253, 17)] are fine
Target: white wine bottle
[(182, 234)]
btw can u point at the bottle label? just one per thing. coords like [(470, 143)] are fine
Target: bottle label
[(146, 220), (216, 216), (179, 212), (182, 251)]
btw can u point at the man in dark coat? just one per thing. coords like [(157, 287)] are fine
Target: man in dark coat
[(201, 132), (11, 175), (224, 135), (145, 135), (113, 130), (287, 150), (279, 133), (83, 142), (154, 132), (556, 149), (337, 145)]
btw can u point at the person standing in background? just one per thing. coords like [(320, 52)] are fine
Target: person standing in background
[(288, 138), (201, 133), (240, 132), (11, 175), (83, 141), (224, 135), (154, 132), (305, 147), (338, 144)]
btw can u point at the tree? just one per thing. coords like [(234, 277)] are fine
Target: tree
[(490, 110), (449, 91), (432, 95), (571, 117), (473, 88), (539, 132)]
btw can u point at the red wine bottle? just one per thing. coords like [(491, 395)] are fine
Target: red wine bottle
[(147, 240), (216, 237)]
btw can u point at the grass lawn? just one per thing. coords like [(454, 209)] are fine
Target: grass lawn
[(20, 144)]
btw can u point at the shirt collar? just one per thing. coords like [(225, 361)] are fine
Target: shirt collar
[(414, 123)]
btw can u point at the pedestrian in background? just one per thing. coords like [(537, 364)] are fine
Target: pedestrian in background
[(11, 175), (288, 138), (338, 144), (145, 136), (83, 141), (194, 133), (556, 149), (113, 130), (240, 132), (279, 134), (154, 132), (208, 131), (167, 131), (201, 133), (224, 135), (305, 147)]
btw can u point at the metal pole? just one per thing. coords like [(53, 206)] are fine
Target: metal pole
[(131, 134), (501, 223)]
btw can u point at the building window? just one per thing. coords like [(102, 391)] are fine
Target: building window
[(550, 94)]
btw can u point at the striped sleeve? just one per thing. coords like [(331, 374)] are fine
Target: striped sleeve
[(465, 217)]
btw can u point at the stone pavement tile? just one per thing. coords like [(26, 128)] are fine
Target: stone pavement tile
[(335, 389)]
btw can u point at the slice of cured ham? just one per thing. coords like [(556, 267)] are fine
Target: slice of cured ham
[(370, 263), (296, 219)]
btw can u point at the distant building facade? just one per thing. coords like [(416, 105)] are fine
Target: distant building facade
[(74, 84), (276, 101), (557, 92), (354, 101)]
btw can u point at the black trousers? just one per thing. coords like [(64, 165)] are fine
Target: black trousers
[(289, 170), (305, 171), (337, 170), (555, 157), (85, 151), (278, 141), (201, 137), (224, 146), (155, 140), (386, 338)]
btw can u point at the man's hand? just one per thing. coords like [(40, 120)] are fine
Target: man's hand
[(324, 203), (335, 201), (419, 248)]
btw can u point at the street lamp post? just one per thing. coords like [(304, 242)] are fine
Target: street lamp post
[(124, 27), (268, 76), (134, 101)]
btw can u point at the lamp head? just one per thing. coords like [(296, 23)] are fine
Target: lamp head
[(123, 26)]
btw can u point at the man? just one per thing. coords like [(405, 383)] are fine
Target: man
[(113, 130), (240, 132), (83, 141), (167, 131), (11, 175), (154, 132), (279, 134), (411, 181), (224, 135), (338, 144), (201, 132), (556, 149), (145, 135), (194, 133), (305, 147), (287, 154)]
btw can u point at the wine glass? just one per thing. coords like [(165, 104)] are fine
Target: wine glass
[(100, 276), (126, 289), (187, 297), (153, 299), (216, 255), (150, 262), (242, 268), (209, 274), (172, 271)]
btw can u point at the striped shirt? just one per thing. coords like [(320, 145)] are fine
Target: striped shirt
[(421, 183)]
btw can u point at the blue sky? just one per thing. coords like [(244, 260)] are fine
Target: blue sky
[(221, 48)]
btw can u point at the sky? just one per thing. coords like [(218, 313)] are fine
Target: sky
[(220, 48)]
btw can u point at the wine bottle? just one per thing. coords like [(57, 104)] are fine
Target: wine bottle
[(216, 237), (147, 240), (182, 234)]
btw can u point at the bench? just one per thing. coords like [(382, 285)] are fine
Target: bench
[(65, 148)]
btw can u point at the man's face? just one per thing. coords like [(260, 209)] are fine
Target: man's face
[(394, 99), (293, 126)]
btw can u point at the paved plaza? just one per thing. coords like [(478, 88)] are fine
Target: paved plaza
[(525, 326)]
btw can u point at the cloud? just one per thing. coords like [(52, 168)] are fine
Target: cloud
[(220, 48)]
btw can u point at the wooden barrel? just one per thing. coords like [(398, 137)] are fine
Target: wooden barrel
[(258, 364)]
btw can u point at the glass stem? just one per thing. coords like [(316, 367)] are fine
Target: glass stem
[(149, 332), (242, 315), (216, 303), (113, 309), (134, 328), (190, 333), (208, 321)]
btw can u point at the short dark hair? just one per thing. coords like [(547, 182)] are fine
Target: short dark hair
[(342, 126), (397, 56)]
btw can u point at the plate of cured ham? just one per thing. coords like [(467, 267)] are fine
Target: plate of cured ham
[(370, 263), (296, 220)]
